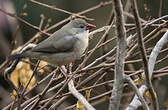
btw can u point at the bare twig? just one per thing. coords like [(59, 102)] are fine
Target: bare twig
[(134, 87), (102, 4), (13, 43), (41, 21), (10, 69), (41, 95), (88, 76), (20, 95), (22, 20), (79, 96), (152, 59), (98, 30), (100, 41), (121, 50), (53, 97), (143, 55), (155, 52), (107, 54), (160, 8), (58, 9), (8, 72), (31, 101)]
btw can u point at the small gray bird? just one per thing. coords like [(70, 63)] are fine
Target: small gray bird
[(62, 47)]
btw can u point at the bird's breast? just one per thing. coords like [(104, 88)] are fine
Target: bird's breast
[(82, 43)]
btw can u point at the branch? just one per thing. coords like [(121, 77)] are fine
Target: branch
[(8, 72), (61, 10), (79, 96), (107, 54), (152, 59), (41, 95), (98, 30), (155, 52), (76, 94), (10, 69), (22, 20), (140, 96), (97, 45), (20, 95), (143, 55), (121, 51), (160, 8), (29, 46), (102, 4)]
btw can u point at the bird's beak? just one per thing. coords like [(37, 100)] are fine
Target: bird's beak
[(90, 26)]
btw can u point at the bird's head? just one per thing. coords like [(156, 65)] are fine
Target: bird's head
[(80, 25)]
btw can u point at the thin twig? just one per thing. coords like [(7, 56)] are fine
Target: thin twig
[(10, 69), (160, 8), (42, 21), (100, 41), (143, 55), (13, 43), (22, 20), (140, 96), (8, 72), (105, 55), (135, 103), (102, 4), (53, 97), (20, 95), (41, 95), (58, 9), (79, 96)]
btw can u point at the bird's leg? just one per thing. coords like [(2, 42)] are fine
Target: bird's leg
[(64, 71), (70, 68)]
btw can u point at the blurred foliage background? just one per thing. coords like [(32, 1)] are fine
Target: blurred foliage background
[(31, 12)]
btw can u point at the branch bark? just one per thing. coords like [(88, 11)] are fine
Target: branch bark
[(135, 103), (76, 94), (143, 55), (121, 50), (139, 95)]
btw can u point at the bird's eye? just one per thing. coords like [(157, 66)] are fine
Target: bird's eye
[(81, 26)]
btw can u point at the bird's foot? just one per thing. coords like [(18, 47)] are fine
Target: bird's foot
[(64, 71)]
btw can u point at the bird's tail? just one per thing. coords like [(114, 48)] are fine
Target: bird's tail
[(17, 56)]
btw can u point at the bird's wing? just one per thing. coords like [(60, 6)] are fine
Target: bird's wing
[(56, 45)]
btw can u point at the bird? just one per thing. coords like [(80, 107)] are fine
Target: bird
[(63, 47)]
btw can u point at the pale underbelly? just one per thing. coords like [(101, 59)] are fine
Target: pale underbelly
[(57, 59)]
